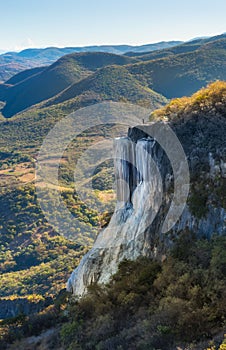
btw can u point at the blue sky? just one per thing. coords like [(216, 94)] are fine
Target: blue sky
[(42, 23)]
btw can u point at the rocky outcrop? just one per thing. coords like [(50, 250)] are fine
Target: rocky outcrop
[(145, 180)]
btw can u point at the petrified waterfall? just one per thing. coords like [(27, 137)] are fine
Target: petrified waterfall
[(139, 168), (145, 184)]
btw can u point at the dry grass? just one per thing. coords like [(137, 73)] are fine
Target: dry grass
[(106, 196), (211, 97)]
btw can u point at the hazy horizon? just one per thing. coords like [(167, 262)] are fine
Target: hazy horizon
[(109, 44)]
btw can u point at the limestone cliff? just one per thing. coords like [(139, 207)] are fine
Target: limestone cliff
[(145, 187)]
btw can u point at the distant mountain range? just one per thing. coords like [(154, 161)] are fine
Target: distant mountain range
[(149, 79), (14, 62), (189, 46)]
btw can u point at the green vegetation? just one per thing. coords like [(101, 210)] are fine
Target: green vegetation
[(150, 305), (183, 74), (25, 74), (51, 80), (206, 191), (111, 83), (200, 120), (47, 278), (33, 257), (41, 86), (20, 211), (147, 304), (95, 60), (8, 158)]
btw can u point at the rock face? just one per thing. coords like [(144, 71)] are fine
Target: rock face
[(145, 185)]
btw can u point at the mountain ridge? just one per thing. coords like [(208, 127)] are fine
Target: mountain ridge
[(110, 83), (182, 74), (30, 58), (53, 79), (181, 70)]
